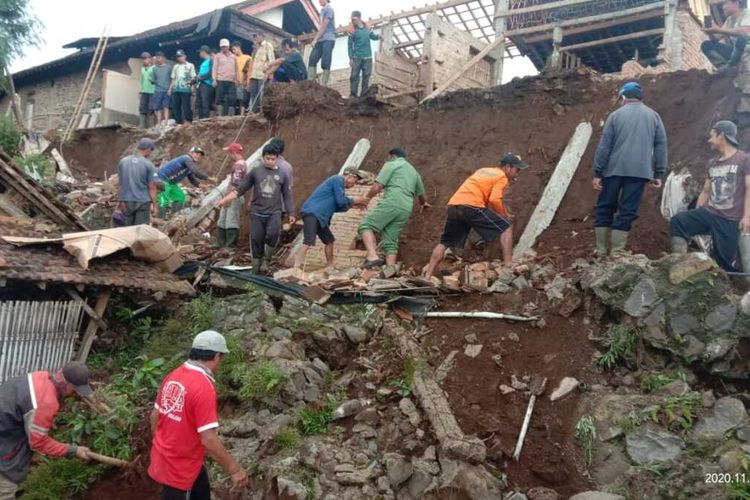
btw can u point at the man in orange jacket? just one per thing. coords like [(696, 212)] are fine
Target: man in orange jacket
[(478, 205), (28, 406)]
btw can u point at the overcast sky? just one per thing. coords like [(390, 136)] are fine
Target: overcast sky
[(66, 21)]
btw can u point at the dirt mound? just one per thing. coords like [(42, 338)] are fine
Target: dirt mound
[(288, 100), (458, 133)]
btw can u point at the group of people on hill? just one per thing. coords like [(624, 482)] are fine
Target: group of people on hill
[(232, 82)]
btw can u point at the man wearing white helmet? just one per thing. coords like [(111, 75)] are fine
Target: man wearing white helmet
[(184, 423)]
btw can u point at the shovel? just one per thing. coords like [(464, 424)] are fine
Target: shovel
[(538, 384)]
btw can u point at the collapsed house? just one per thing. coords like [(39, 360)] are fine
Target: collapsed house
[(46, 294)]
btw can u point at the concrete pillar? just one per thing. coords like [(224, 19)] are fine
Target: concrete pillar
[(671, 47), (386, 44), (555, 60), (500, 28)]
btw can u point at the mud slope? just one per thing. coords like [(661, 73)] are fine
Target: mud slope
[(460, 132)]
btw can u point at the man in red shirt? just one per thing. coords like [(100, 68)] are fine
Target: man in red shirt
[(184, 424), (28, 406)]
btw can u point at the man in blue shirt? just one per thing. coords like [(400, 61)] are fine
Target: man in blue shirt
[(205, 83), (323, 43), (317, 212), (172, 173)]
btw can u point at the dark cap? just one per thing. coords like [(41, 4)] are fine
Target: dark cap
[(145, 143), (205, 48), (145, 55), (397, 151), (729, 129), (513, 160), (354, 171), (197, 149), (160, 54), (180, 53), (77, 374), (357, 13)]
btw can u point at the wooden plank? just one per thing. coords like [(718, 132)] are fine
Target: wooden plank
[(555, 190), (474, 60), (92, 314), (92, 327), (613, 39), (596, 26), (539, 8), (586, 20), (394, 74), (396, 61)]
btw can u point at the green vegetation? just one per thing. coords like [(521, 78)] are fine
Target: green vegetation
[(60, 478), (402, 387), (314, 422), (678, 412), (262, 379), (586, 437), (10, 136), (630, 421), (287, 439), (19, 30), (739, 487), (39, 166), (620, 343), (657, 469), (654, 381)]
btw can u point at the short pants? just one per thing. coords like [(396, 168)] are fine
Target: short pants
[(313, 229), (463, 218), (160, 101), (388, 221), (172, 193)]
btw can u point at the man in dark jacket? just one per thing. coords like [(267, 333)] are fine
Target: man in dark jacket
[(28, 406), (632, 153), (360, 53), (172, 173)]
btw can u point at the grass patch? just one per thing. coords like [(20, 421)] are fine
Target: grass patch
[(654, 381), (630, 421), (739, 487), (287, 439), (314, 422), (678, 413), (38, 166), (58, 478), (262, 379), (620, 343), (657, 469), (586, 437)]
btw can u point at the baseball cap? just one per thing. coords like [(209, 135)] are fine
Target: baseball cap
[(180, 53), (235, 147), (224, 43), (205, 48), (77, 374), (354, 171), (145, 55), (513, 160), (729, 129), (211, 340), (197, 149), (397, 151), (632, 89), (145, 143)]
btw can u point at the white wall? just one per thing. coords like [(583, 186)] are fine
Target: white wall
[(274, 17)]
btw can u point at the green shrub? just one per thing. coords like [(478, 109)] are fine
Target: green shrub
[(40, 167), (10, 136), (678, 412), (262, 379), (313, 422), (586, 437), (287, 439), (59, 478), (620, 343)]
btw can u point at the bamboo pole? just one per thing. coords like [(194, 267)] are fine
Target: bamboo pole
[(481, 315)]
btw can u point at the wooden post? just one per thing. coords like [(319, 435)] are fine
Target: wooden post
[(92, 314), (555, 60), (93, 326), (500, 28), (555, 190), (15, 104), (386, 42)]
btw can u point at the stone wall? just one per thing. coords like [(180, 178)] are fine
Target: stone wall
[(55, 99)]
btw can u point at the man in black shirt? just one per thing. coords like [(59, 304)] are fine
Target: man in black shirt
[(291, 67)]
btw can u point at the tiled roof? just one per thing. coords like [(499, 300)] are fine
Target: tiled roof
[(52, 264)]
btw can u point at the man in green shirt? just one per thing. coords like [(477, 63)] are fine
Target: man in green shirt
[(181, 90), (402, 183), (360, 53), (147, 90)]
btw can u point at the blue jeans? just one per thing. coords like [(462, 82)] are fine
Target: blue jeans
[(619, 200)]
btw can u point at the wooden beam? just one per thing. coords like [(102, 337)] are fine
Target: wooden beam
[(539, 8), (596, 26), (556, 188), (474, 60), (92, 327), (586, 20), (614, 39), (92, 314)]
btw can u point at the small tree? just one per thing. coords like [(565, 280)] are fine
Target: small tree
[(19, 29)]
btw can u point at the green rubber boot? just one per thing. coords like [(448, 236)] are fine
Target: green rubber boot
[(312, 73), (221, 238), (326, 77), (233, 235), (619, 241), (602, 235), (679, 245), (256, 267)]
